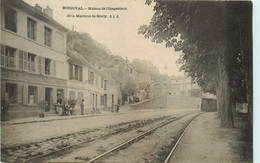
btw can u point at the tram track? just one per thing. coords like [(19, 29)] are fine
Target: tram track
[(124, 145), (54, 151), (63, 147), (178, 141)]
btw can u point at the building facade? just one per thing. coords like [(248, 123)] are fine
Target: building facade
[(184, 87), (112, 93), (90, 83), (33, 58)]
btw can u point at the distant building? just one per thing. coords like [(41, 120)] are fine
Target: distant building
[(33, 58), (184, 87), (133, 74)]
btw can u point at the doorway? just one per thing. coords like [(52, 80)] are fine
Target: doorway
[(48, 98), (112, 100), (96, 101), (105, 100), (93, 102)]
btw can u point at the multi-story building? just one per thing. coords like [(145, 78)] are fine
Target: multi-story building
[(33, 58), (92, 84)]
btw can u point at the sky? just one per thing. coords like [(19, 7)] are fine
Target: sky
[(120, 35)]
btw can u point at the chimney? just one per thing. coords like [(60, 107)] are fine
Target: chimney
[(48, 11), (38, 8)]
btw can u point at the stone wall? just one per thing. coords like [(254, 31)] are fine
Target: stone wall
[(154, 103)]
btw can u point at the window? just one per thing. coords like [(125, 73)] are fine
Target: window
[(10, 19), (31, 28), (32, 95), (8, 59), (102, 100), (47, 66), (11, 92), (75, 72), (91, 77), (47, 36), (31, 62), (105, 85), (105, 100)]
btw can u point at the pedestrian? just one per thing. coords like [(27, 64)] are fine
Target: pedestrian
[(117, 108), (82, 107)]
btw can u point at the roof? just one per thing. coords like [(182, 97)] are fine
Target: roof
[(34, 12), (114, 74), (76, 58), (109, 78)]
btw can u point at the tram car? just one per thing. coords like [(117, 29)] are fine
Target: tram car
[(209, 105)]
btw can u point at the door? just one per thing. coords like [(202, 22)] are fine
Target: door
[(105, 100), (48, 98), (112, 100), (96, 101), (93, 102)]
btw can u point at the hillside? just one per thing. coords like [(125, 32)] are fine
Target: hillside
[(90, 49)]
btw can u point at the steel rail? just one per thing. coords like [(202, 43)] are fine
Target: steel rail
[(178, 141), (32, 159), (136, 138)]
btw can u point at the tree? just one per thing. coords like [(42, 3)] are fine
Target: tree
[(212, 36), (145, 66), (130, 88)]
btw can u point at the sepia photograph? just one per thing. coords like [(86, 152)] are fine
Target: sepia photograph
[(126, 81)]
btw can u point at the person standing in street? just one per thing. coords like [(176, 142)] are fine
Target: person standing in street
[(82, 107)]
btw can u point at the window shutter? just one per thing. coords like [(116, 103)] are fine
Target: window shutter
[(43, 65), (39, 64), (2, 50), (70, 71), (54, 68), (20, 59), (51, 67), (80, 74), (25, 94), (25, 60)]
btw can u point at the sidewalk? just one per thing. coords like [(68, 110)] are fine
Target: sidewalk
[(54, 117), (206, 142)]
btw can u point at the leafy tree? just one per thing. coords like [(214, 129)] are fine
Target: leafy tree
[(130, 88), (145, 66), (215, 38)]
